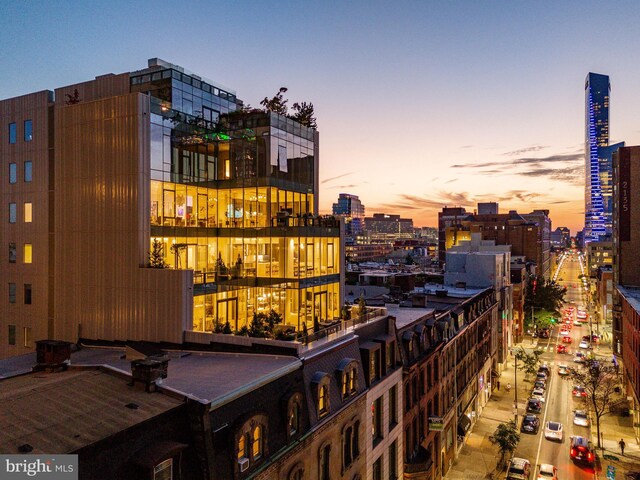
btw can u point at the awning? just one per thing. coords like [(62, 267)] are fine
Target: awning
[(464, 424)]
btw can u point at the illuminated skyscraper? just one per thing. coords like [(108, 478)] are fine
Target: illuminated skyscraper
[(597, 222)]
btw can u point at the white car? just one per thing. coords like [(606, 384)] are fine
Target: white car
[(564, 331), (538, 392), (581, 418), (563, 370), (584, 344), (553, 431), (548, 472), (577, 323), (581, 315)]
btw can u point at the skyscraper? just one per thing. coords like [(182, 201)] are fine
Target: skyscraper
[(351, 208), (597, 89)]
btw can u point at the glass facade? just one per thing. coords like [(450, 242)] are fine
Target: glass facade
[(233, 198), (597, 90)]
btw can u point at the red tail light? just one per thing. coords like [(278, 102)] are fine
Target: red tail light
[(590, 456), (573, 452)]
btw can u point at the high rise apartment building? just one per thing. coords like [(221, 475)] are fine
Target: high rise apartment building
[(351, 208), (98, 171), (598, 157)]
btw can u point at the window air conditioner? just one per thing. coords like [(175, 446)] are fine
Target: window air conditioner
[(243, 463)]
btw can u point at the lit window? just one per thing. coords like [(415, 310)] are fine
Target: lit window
[(27, 170), (256, 448), (12, 213), (13, 173), (242, 447), (323, 392), (28, 253), (27, 336), (164, 470), (27, 212), (12, 133), (28, 130), (294, 418)]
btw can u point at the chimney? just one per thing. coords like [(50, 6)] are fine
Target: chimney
[(149, 371), (52, 355)]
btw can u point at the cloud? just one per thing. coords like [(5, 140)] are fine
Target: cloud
[(467, 146), (533, 148), (337, 177), (345, 187), (570, 157)]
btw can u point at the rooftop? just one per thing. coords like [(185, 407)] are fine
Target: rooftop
[(405, 316), (62, 412), (632, 294)]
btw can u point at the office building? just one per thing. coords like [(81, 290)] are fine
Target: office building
[(381, 227), (159, 161), (351, 208)]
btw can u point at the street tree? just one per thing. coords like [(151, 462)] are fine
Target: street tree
[(601, 385), (506, 437), (528, 361), (543, 294)]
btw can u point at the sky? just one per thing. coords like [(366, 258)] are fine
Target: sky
[(419, 104)]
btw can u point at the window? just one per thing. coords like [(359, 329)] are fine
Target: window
[(374, 365), (297, 473), (243, 445), (164, 470), (28, 130), (12, 293), (377, 469), (27, 170), (13, 133), (294, 418), (323, 397), (256, 446), (28, 212), (28, 253), (393, 461), (27, 294), (12, 334), (13, 173), (390, 355), (12, 213), (347, 444), (12, 253), (323, 462), (376, 419), (27, 337), (393, 406)]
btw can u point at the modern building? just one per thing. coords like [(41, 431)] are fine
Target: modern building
[(447, 218), (597, 91), (599, 253), (382, 226), (352, 210), (161, 161)]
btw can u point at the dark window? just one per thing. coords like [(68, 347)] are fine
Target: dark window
[(28, 130), (294, 418), (12, 253), (13, 133), (12, 293), (374, 372), (347, 445), (324, 466), (393, 461), (393, 406), (27, 294), (377, 469), (27, 171), (12, 334), (164, 470), (376, 419), (13, 173), (12, 213)]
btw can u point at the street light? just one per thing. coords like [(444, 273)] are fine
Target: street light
[(515, 381)]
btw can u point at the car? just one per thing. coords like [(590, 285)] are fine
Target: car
[(581, 418), (541, 376), (519, 469), (582, 315), (530, 424), (544, 368), (540, 384), (548, 472), (553, 431), (561, 348), (577, 323), (538, 397), (581, 450), (584, 344), (537, 392), (578, 391), (595, 339), (563, 370), (566, 339), (534, 405), (564, 331)]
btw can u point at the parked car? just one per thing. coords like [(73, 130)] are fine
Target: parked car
[(548, 472), (580, 418), (542, 376), (563, 370), (519, 469), (566, 339), (530, 424), (544, 368), (581, 450), (553, 431), (534, 405), (584, 344), (540, 384), (578, 391), (561, 348)]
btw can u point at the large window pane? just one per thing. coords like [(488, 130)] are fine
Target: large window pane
[(28, 253), (28, 130), (27, 171), (13, 173), (28, 212), (13, 133), (12, 213)]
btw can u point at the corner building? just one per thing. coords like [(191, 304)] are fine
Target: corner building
[(101, 169)]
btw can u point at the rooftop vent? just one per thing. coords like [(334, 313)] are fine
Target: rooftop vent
[(149, 372)]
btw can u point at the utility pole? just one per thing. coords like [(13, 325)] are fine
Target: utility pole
[(515, 381)]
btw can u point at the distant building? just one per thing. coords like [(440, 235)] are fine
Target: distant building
[(599, 253), (487, 208), (560, 237), (351, 208), (447, 218), (382, 226)]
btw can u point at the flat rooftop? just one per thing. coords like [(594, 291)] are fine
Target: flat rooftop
[(632, 294), (62, 412), (405, 316)]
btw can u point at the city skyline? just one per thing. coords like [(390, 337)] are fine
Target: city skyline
[(417, 107)]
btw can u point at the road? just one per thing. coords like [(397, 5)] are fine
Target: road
[(559, 403)]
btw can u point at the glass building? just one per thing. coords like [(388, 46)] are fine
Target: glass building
[(597, 90), (234, 198), (351, 208)]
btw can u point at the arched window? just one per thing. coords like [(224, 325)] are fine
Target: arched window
[(294, 418), (324, 458), (347, 445), (323, 394), (355, 444), (242, 447), (256, 447), (296, 473)]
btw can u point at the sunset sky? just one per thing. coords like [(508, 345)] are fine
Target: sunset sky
[(419, 104)]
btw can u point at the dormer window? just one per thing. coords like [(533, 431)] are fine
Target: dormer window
[(250, 442), (347, 377), (323, 401), (320, 390)]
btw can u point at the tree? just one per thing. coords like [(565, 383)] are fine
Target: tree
[(528, 361), (543, 294), (277, 103), (362, 305), (156, 255), (305, 114), (601, 384), (177, 249), (506, 437)]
